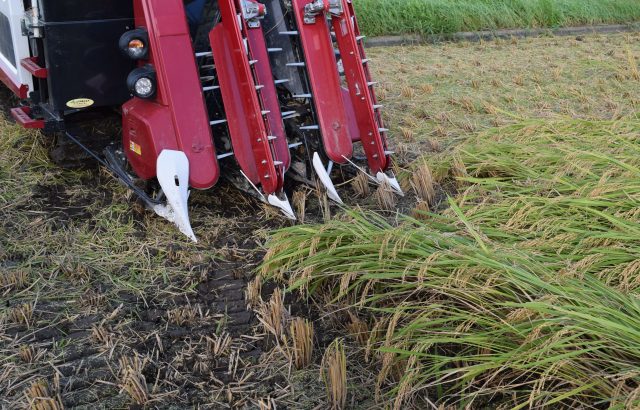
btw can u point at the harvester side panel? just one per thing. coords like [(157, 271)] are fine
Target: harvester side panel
[(13, 48), (268, 93), (362, 97), (320, 64), (179, 101), (247, 127)]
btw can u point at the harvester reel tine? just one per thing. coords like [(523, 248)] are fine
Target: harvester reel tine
[(380, 178), (173, 176), (392, 181), (283, 204), (325, 179)]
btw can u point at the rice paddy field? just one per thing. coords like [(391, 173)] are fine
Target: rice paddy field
[(507, 277), (384, 17)]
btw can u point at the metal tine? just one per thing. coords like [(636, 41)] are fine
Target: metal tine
[(302, 96), (204, 54), (211, 88), (274, 50), (281, 81), (310, 127), (289, 33), (217, 122), (227, 155), (297, 64)]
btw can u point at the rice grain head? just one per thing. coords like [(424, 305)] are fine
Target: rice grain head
[(40, 397), (385, 197), (299, 200), (361, 186), (334, 374), (302, 339), (132, 380), (423, 183), (272, 314)]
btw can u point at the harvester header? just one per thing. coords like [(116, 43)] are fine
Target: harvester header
[(257, 92)]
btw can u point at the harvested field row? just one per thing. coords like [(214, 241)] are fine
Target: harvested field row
[(88, 277)]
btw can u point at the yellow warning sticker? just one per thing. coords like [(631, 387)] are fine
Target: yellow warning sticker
[(135, 147), (80, 103)]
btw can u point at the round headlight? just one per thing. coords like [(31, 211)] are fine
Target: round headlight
[(144, 87), (135, 44), (142, 82), (137, 49)]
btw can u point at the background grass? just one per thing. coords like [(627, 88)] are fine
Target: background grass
[(381, 17)]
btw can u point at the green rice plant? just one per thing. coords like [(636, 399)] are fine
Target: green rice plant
[(383, 17), (523, 293)]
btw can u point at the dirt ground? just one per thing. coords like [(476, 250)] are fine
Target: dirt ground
[(104, 305)]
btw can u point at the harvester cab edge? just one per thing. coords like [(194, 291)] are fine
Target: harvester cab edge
[(254, 91)]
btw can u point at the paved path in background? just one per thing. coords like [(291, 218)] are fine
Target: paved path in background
[(492, 35)]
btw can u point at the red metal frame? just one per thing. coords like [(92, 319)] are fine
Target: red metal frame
[(247, 127), (268, 93), (325, 84), (22, 115), (20, 90), (361, 92), (177, 118), (31, 65)]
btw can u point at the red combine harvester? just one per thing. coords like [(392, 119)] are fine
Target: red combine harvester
[(254, 91)]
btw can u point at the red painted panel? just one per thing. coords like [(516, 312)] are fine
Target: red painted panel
[(31, 65), (147, 129), (20, 90), (248, 130), (22, 115), (325, 85), (268, 93), (180, 99), (362, 96)]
